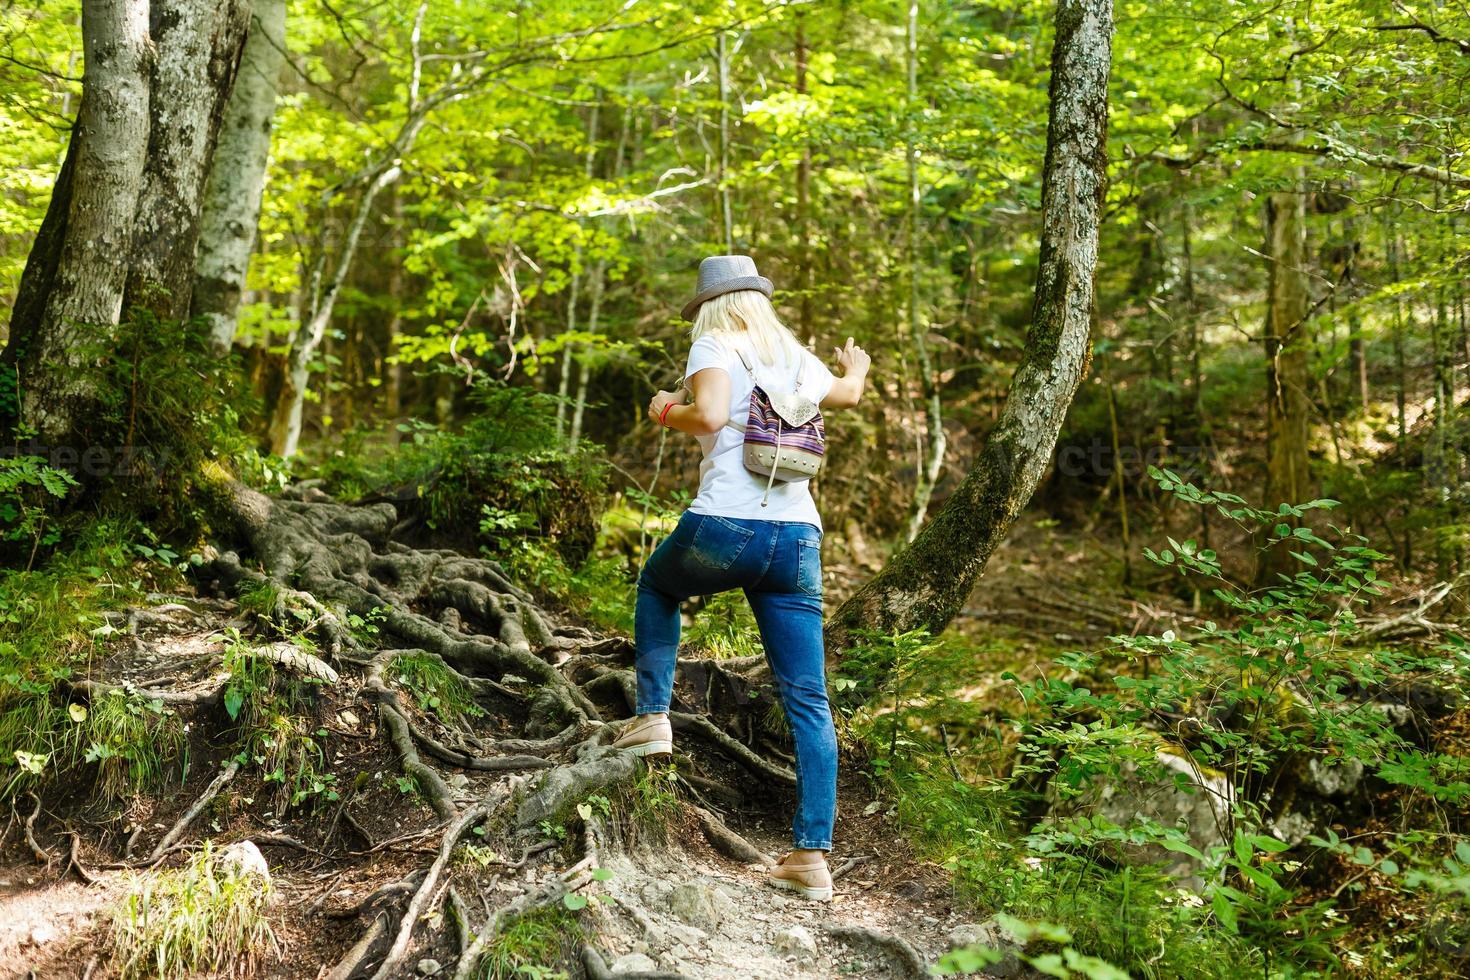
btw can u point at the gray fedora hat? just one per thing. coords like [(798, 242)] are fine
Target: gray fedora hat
[(725, 274)]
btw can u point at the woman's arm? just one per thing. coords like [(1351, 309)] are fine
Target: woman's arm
[(847, 390), (706, 412)]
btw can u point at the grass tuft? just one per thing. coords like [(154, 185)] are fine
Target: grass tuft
[(435, 688), (532, 945), (208, 916)]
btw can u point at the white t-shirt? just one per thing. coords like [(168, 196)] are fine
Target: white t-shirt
[(726, 487)]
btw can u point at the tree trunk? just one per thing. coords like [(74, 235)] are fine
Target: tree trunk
[(198, 44), (71, 293), (1287, 375), (564, 382), (803, 198), (391, 367), (931, 455), (232, 196), (285, 426), (926, 584), (727, 218)]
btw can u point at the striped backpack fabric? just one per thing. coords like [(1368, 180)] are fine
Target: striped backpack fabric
[(784, 436)]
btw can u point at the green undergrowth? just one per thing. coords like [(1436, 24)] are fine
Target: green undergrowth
[(208, 916), (274, 713), (493, 479), (531, 945), (1005, 794), (53, 630), (435, 688)]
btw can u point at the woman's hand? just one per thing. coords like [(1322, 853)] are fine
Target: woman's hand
[(847, 390), (661, 401), (853, 360)]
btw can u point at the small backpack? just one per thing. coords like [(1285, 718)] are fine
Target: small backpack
[(784, 436)]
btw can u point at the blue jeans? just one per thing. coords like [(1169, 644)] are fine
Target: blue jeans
[(779, 565)]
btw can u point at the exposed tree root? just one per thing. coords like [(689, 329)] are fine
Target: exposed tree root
[(897, 946), (421, 899), (546, 894), (596, 967), (361, 950), (182, 824), (37, 851), (727, 842), (339, 563)]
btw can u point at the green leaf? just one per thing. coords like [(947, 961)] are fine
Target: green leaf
[(234, 701), (574, 902)]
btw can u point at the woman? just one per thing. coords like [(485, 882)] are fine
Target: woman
[(742, 532)]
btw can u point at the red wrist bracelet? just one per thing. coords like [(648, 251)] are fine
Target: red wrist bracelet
[(664, 414)]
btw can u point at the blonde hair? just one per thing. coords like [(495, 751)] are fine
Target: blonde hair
[(747, 313)]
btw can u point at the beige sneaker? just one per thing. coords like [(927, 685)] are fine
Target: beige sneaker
[(810, 879), (647, 735)]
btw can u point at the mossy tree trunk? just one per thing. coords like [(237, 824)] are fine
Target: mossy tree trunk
[(121, 228), (232, 198), (1287, 370), (926, 584), (71, 293)]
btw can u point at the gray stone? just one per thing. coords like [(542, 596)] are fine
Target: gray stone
[(991, 935), (633, 963), (1178, 793), (796, 939), (1397, 715), (1337, 779), (1293, 827), (688, 935), (699, 905), (428, 967)]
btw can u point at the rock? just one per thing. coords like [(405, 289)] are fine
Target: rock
[(1293, 827), (699, 905), (1178, 793), (688, 935), (1398, 715), (993, 936), (43, 933), (428, 967), (1338, 778), (246, 858), (796, 939), (633, 963)]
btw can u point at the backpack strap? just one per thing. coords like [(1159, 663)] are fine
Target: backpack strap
[(749, 368)]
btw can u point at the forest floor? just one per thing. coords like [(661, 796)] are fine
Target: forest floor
[(672, 905)]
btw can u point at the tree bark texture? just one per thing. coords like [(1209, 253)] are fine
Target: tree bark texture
[(232, 196), (199, 43), (927, 583), (71, 294), (1287, 373)]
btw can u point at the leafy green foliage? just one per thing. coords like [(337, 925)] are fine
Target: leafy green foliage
[(273, 713), (435, 688), (53, 629), (529, 947), (724, 627)]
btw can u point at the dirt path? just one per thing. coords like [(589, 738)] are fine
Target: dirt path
[(670, 907)]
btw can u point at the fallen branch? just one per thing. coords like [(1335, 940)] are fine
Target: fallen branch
[(421, 897), (210, 792)]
